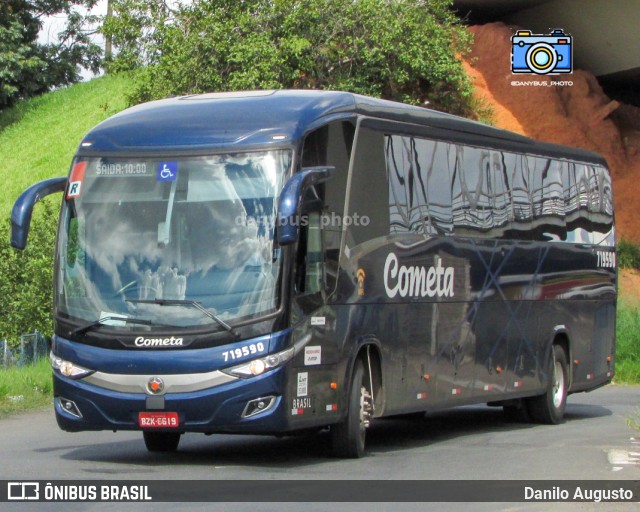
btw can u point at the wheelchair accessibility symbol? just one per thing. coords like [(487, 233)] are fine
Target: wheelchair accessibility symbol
[(167, 171)]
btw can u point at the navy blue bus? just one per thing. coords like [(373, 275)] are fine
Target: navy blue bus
[(278, 261)]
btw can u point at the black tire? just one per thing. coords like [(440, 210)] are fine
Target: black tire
[(348, 436), (161, 441), (549, 408)]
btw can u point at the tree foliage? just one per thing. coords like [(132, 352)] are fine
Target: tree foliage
[(628, 255), (26, 277), (29, 68), (406, 50)]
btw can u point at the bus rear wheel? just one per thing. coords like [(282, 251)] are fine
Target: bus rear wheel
[(348, 436), (161, 441), (549, 408)]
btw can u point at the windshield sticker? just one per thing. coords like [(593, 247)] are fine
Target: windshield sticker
[(167, 171), (75, 180), (107, 318)]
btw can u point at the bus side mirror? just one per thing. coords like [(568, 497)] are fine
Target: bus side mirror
[(23, 208), (290, 203)]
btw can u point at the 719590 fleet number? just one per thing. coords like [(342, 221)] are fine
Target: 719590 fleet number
[(240, 352), (606, 259)]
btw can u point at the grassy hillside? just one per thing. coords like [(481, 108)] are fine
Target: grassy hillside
[(37, 141), (38, 137)]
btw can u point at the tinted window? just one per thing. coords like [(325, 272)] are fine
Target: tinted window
[(419, 184), (440, 187), (369, 206), (472, 190), (331, 145)]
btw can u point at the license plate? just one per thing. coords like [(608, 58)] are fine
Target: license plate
[(158, 419)]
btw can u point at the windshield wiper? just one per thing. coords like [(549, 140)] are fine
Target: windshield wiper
[(197, 305), (101, 321)]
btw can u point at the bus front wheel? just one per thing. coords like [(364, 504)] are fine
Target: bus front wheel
[(549, 408), (161, 441), (348, 436)]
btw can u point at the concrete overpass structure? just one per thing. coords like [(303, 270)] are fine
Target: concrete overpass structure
[(606, 34)]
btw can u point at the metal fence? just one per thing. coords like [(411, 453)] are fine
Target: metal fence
[(32, 347)]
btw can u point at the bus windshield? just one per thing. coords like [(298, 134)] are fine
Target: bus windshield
[(142, 239)]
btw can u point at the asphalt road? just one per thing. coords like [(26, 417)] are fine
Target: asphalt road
[(469, 443)]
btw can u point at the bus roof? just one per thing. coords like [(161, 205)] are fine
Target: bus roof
[(253, 118)]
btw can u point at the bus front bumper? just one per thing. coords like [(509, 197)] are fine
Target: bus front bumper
[(231, 405)]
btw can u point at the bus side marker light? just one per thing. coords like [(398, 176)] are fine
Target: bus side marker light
[(499, 369), (609, 359), (332, 407), (333, 385), (427, 376), (421, 396), (576, 362), (488, 387), (456, 391), (589, 376)]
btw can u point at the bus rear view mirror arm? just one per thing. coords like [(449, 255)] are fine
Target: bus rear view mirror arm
[(290, 202), (23, 208)]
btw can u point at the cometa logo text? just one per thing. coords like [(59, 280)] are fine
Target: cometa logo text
[(417, 281), (158, 342)]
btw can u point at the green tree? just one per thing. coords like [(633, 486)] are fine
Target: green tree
[(26, 277), (406, 50), (28, 68)]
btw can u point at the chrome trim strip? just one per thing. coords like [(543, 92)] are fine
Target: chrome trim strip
[(178, 383)]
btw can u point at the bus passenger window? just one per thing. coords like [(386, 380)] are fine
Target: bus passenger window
[(472, 190), (419, 185), (502, 209), (368, 208), (552, 211)]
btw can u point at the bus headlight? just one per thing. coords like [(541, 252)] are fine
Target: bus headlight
[(67, 368), (261, 365)]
